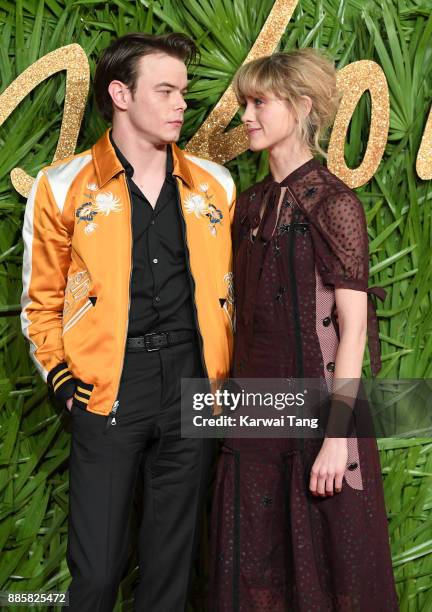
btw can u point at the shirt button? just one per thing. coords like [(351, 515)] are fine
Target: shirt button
[(157, 299), (331, 366), (152, 222), (326, 321), (155, 260)]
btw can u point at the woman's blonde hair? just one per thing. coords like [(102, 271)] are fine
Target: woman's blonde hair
[(289, 76)]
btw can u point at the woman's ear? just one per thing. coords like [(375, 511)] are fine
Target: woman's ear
[(306, 106)]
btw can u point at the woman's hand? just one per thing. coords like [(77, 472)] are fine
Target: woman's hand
[(330, 464), (329, 467)]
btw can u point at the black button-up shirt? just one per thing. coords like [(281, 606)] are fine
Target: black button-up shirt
[(160, 287)]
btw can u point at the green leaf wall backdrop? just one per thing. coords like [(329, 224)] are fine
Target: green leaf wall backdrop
[(34, 443)]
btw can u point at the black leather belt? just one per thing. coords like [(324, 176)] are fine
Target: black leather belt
[(158, 340)]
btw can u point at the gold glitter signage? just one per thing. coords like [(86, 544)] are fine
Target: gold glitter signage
[(353, 81), (424, 156), (210, 141), (73, 59)]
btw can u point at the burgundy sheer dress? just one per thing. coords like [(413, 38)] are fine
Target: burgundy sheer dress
[(276, 547)]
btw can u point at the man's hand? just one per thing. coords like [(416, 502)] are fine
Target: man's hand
[(69, 403), (329, 467)]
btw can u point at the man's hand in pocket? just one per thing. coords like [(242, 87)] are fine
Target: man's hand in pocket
[(69, 403)]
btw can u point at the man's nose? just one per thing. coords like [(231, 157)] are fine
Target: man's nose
[(181, 103)]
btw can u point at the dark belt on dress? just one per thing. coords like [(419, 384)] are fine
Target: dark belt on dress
[(158, 340)]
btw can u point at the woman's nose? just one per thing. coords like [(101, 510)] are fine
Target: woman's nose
[(246, 114)]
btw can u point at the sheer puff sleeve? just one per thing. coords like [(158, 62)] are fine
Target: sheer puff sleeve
[(341, 241)]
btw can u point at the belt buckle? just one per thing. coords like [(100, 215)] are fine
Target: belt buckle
[(156, 348)]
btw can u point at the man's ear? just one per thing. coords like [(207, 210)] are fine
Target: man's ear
[(119, 93)]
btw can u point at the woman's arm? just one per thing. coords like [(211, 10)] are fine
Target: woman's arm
[(330, 464), (352, 318)]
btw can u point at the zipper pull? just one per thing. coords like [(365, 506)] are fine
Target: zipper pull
[(111, 420)]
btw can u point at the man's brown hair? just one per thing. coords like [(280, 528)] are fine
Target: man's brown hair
[(119, 61)]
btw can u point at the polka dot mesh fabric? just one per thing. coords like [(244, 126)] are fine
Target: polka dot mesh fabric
[(274, 545), (328, 340)]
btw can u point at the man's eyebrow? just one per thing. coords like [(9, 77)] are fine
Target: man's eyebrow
[(170, 85)]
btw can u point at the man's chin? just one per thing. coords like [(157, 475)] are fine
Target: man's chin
[(166, 138), (173, 135)]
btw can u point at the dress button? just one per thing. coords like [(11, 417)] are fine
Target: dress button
[(330, 366), (155, 260), (353, 466), (157, 299), (326, 321)]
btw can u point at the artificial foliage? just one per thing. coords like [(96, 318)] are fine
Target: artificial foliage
[(34, 438)]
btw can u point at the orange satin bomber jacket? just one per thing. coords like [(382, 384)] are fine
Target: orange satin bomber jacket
[(77, 267)]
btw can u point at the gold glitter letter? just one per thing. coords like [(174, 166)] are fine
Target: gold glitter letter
[(424, 155), (73, 59), (353, 81), (210, 141)]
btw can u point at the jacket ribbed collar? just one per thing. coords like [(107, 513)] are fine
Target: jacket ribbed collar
[(108, 165)]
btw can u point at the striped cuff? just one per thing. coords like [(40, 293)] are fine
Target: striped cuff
[(62, 382), (82, 393)]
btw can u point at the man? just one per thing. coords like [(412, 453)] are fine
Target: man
[(126, 289)]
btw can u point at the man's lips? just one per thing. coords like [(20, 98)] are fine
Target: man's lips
[(177, 122)]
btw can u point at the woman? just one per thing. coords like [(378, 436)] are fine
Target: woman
[(299, 524)]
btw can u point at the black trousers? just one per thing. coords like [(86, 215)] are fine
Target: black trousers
[(103, 471)]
